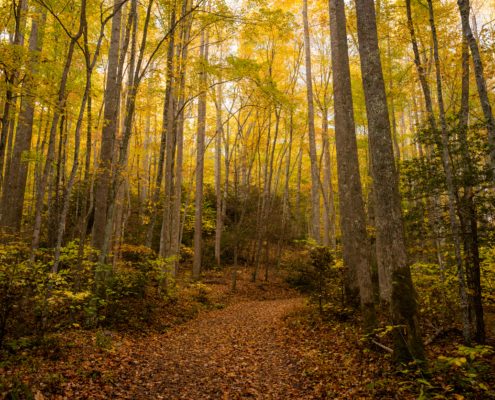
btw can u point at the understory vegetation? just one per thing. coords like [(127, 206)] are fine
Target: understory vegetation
[(232, 199), (48, 319)]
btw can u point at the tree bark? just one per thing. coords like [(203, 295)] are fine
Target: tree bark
[(315, 193), (16, 172), (468, 212), (480, 80), (329, 230), (177, 204), (452, 190), (356, 251), (90, 64), (395, 275), (169, 125), (200, 154), (218, 175), (61, 99), (166, 137), (12, 80), (110, 124)]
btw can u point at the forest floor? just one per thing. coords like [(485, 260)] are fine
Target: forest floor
[(263, 342)]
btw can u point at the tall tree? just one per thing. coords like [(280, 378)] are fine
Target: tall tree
[(90, 63), (182, 57), (452, 189), (136, 69), (396, 286), (356, 248), (16, 172), (57, 114), (167, 148), (468, 209), (315, 193), (480, 80), (200, 155), (11, 76), (110, 123), (433, 205), (218, 173)]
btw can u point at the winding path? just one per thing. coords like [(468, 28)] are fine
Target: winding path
[(239, 352)]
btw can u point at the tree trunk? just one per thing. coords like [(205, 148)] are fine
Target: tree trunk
[(480, 80), (177, 205), (356, 251), (136, 73), (51, 142), (169, 124), (110, 124), (168, 116), (90, 64), (467, 212), (17, 170), (451, 188), (11, 80), (395, 275), (218, 175), (286, 197), (315, 193), (200, 154), (329, 234)]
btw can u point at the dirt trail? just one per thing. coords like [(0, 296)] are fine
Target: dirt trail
[(236, 353)]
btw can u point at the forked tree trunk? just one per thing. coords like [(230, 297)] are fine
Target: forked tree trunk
[(168, 113), (432, 203), (90, 64), (50, 157), (136, 73)]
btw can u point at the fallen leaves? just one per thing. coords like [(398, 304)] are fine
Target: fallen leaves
[(238, 352), (270, 348)]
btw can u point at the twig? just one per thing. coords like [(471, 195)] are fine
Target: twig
[(382, 346)]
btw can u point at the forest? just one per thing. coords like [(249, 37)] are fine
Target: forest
[(247, 199)]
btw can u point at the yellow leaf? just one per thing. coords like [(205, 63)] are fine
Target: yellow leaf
[(459, 361), (39, 396)]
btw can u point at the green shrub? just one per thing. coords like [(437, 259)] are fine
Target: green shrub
[(316, 273), (136, 254), (467, 371), (439, 291), (488, 274), (34, 300)]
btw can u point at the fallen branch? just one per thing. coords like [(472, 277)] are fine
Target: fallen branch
[(440, 332), (382, 346)]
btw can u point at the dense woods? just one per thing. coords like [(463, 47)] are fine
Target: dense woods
[(163, 158)]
